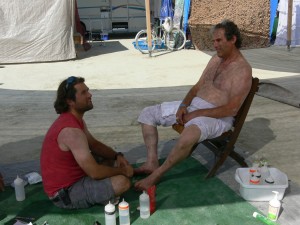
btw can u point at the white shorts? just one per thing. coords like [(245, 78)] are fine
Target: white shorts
[(165, 115)]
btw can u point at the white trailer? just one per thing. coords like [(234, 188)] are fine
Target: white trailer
[(109, 16)]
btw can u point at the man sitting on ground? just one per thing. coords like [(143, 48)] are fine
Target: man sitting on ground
[(206, 111), (72, 178)]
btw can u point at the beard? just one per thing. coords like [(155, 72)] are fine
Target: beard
[(85, 108)]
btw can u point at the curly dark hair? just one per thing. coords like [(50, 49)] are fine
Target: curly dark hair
[(231, 29), (66, 91)]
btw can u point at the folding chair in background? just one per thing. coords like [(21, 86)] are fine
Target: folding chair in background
[(223, 146)]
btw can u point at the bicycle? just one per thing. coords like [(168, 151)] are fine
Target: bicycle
[(162, 36)]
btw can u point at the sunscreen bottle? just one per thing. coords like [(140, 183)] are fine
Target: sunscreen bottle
[(263, 219), (124, 216), (274, 207), (19, 189), (110, 214), (144, 205), (152, 192)]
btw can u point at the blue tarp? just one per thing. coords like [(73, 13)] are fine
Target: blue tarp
[(166, 9), (273, 9), (186, 14)]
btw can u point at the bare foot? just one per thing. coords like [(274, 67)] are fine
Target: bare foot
[(147, 182), (146, 168)]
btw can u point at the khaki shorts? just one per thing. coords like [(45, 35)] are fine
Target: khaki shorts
[(87, 192)]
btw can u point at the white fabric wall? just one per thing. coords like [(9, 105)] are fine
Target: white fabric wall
[(281, 35), (36, 30)]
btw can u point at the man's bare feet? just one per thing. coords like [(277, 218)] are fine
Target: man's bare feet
[(147, 182), (146, 168)]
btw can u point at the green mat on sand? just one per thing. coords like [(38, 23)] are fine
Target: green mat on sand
[(182, 197)]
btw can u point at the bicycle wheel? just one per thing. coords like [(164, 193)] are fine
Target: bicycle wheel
[(141, 41), (175, 40)]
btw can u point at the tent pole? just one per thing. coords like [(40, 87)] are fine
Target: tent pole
[(289, 24), (148, 24)]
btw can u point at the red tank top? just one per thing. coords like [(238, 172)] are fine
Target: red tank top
[(59, 168)]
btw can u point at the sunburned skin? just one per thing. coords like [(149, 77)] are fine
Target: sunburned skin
[(218, 79), (225, 83)]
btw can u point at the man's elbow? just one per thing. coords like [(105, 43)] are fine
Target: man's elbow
[(93, 176), (234, 112)]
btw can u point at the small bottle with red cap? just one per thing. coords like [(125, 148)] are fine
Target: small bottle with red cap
[(124, 216)]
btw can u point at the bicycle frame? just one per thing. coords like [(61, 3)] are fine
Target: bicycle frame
[(173, 38)]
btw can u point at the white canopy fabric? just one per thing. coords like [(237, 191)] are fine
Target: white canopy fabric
[(281, 35), (36, 31)]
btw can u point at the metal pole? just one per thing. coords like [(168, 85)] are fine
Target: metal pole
[(289, 24), (148, 24)]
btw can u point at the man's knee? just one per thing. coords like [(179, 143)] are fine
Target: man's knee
[(148, 115), (120, 184), (189, 137)]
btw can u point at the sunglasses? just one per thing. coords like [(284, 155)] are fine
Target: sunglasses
[(70, 81)]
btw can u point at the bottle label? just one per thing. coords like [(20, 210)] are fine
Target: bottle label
[(110, 213), (273, 212)]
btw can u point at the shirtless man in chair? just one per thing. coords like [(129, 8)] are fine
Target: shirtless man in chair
[(207, 110)]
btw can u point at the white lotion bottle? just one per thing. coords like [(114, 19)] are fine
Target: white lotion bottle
[(124, 216), (274, 207), (19, 189), (110, 214), (144, 205)]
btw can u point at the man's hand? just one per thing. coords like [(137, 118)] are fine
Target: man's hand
[(188, 116), (181, 112), (121, 161), (128, 171)]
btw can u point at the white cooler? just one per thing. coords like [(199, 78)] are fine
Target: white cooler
[(263, 190)]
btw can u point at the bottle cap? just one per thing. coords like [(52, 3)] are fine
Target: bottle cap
[(269, 180), (254, 180), (257, 174), (18, 180), (144, 194), (110, 208), (123, 205), (276, 195)]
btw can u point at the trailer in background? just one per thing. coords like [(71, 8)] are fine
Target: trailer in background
[(109, 16)]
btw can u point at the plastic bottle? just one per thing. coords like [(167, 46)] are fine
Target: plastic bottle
[(263, 219), (254, 180), (152, 192), (264, 170), (110, 214), (274, 207), (144, 205), (254, 167), (19, 189), (124, 213)]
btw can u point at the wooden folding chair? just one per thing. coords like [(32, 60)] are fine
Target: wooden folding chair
[(223, 145)]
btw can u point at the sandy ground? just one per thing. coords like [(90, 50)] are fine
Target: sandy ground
[(117, 65)]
